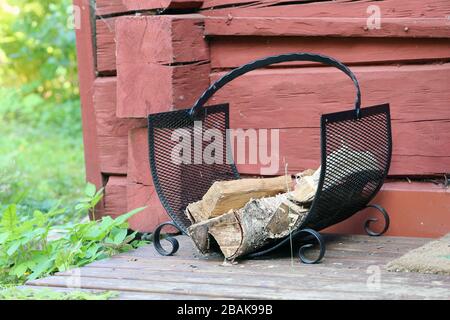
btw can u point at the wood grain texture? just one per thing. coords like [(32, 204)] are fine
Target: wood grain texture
[(112, 132), (179, 38), (163, 39), (139, 196), (151, 88), (106, 44), (85, 54), (342, 275), (140, 189), (406, 203), (403, 18), (327, 27), (420, 137), (154, 78), (322, 9), (115, 197), (107, 7), (297, 98), (138, 157), (350, 51)]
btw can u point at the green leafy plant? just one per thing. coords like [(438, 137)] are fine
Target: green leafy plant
[(47, 294), (32, 248)]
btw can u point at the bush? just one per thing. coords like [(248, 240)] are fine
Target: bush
[(41, 157), (38, 73), (35, 247)]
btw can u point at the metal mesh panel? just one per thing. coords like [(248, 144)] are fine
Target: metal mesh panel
[(355, 159), (178, 143)]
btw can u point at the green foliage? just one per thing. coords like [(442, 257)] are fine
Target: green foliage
[(38, 71), (41, 150), (37, 166), (47, 294), (32, 248)]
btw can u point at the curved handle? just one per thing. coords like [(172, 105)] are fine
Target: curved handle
[(272, 60)]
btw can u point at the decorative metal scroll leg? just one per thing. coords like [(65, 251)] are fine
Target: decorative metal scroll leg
[(309, 232), (369, 221), (157, 240), (318, 237)]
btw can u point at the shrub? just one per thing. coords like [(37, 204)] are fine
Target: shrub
[(34, 247)]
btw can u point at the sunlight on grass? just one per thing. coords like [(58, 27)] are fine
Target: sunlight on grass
[(41, 164), (47, 294)]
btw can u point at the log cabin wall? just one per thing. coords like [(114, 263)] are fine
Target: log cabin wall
[(153, 56)]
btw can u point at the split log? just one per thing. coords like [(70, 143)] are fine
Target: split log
[(306, 187), (224, 196), (243, 231)]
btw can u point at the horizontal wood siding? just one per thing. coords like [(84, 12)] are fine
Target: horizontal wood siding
[(351, 51), (159, 55), (108, 7), (112, 132)]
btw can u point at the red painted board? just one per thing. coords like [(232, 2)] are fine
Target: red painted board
[(112, 132), (107, 7), (416, 210), (232, 52), (86, 74)]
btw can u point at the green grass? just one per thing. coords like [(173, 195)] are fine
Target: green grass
[(47, 294), (39, 165), (41, 150)]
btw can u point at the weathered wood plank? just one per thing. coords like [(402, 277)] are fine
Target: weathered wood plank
[(159, 78), (151, 88), (107, 7), (163, 39), (326, 27), (404, 201), (113, 154), (115, 196), (122, 295), (346, 281), (105, 107), (106, 44), (139, 196), (330, 18), (143, 272), (261, 96), (350, 51), (138, 159), (322, 9), (112, 132), (307, 277), (85, 54), (180, 39), (335, 290)]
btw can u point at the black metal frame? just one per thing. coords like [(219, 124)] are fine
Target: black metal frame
[(348, 120)]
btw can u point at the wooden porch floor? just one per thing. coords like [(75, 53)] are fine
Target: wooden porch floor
[(343, 274)]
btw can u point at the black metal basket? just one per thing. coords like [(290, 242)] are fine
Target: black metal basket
[(356, 147)]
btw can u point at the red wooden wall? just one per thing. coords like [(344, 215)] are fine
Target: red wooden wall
[(151, 56)]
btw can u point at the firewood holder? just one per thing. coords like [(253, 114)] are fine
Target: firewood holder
[(348, 182)]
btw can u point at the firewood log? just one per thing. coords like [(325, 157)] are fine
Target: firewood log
[(224, 196), (242, 231)]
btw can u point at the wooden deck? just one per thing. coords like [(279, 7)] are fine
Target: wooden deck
[(348, 266)]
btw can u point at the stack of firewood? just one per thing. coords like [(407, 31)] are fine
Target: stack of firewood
[(244, 215)]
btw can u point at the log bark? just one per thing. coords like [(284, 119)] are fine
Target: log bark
[(224, 196), (240, 232)]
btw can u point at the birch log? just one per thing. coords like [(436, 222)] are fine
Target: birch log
[(240, 232), (224, 196)]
